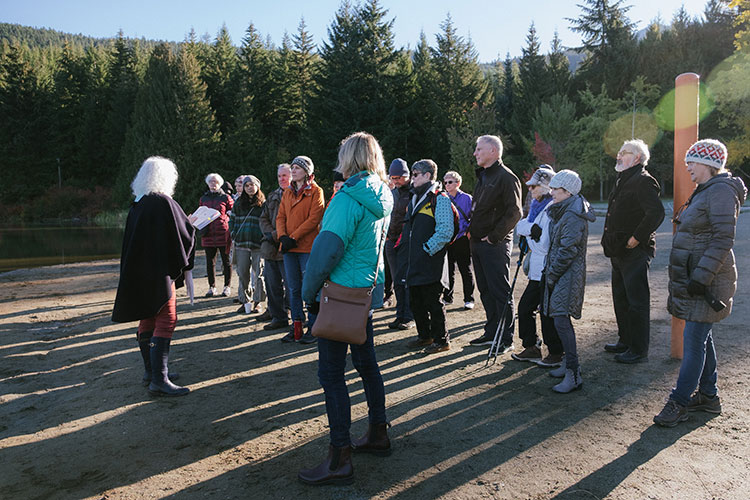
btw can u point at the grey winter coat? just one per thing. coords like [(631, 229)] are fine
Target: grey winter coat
[(565, 268), (702, 249)]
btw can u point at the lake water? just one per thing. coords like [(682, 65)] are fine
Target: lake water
[(46, 246)]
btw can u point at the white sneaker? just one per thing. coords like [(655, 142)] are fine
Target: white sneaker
[(227, 292), (468, 305), (211, 292)]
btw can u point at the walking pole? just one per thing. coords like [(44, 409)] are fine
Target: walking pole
[(523, 249)]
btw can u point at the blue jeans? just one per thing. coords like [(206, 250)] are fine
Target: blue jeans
[(294, 265), (698, 368), (331, 374), (274, 275), (492, 270)]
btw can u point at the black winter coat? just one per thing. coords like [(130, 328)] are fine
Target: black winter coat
[(634, 210), (496, 205)]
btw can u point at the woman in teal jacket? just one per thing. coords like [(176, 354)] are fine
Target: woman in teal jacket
[(349, 251)]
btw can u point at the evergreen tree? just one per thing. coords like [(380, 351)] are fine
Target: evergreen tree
[(609, 42), (172, 118), (121, 88), (24, 126), (358, 89), (558, 68), (219, 72), (458, 85), (533, 84), (554, 122)]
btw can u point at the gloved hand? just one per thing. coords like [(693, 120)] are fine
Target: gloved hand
[(313, 307), (536, 232), (287, 243), (523, 245), (695, 288)]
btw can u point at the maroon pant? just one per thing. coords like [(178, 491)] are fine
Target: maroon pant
[(163, 324)]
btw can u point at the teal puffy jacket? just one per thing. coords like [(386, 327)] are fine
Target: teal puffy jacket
[(348, 250)]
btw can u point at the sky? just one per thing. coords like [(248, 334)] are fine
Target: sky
[(496, 27)]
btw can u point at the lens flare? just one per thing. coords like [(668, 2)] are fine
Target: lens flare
[(664, 111), (621, 130)]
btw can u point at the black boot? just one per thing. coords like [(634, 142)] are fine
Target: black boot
[(160, 384), (374, 441), (336, 468), (144, 343)]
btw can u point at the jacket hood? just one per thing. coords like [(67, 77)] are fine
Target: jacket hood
[(576, 204), (734, 182), (371, 192)]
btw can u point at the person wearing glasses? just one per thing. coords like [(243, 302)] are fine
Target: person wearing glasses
[(633, 215), (702, 276), (398, 174), (459, 251)]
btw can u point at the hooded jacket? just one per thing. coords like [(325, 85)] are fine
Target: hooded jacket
[(349, 248), (702, 249), (565, 269)]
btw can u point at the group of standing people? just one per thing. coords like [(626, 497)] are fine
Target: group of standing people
[(303, 244)]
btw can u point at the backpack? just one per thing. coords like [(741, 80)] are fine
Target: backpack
[(433, 201)]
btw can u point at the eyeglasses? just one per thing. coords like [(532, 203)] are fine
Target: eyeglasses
[(450, 182), (414, 174), (395, 177)]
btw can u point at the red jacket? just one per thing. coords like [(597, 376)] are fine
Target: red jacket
[(217, 234)]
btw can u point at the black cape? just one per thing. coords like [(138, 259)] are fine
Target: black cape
[(156, 249)]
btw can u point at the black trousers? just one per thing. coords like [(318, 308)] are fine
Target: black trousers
[(492, 265), (428, 311), (632, 298), (527, 306), (211, 264), (459, 253)]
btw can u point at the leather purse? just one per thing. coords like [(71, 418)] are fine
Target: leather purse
[(344, 311)]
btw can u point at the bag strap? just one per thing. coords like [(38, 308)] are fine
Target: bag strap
[(459, 209)]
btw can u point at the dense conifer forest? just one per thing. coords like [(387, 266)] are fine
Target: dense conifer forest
[(79, 114)]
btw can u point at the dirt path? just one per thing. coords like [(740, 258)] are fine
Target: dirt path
[(76, 423)]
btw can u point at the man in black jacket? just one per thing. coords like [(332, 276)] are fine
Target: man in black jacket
[(496, 209), (633, 215)]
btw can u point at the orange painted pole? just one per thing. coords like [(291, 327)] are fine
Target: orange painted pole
[(686, 102)]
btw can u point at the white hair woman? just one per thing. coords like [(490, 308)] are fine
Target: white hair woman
[(459, 252), (217, 240), (157, 249)]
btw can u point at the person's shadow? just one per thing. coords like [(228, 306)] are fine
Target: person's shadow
[(653, 440)]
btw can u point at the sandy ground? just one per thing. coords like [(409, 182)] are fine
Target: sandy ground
[(76, 423)]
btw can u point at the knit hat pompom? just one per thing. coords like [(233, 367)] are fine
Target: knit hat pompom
[(708, 152), (567, 180)]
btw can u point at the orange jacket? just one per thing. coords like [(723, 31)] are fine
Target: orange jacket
[(300, 215)]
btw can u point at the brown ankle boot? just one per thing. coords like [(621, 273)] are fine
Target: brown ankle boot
[(374, 441), (336, 468)]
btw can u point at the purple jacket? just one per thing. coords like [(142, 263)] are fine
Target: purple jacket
[(462, 201)]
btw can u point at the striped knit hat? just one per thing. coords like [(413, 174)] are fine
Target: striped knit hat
[(708, 152)]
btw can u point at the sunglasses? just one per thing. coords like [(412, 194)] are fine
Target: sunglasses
[(450, 182)]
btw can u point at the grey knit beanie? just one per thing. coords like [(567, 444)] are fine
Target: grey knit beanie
[(305, 163), (567, 180)]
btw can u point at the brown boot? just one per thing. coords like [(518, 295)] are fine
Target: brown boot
[(336, 468), (374, 441)]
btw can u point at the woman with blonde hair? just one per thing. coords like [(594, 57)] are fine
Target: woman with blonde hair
[(348, 251)]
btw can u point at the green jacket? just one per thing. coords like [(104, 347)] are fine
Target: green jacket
[(348, 250)]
